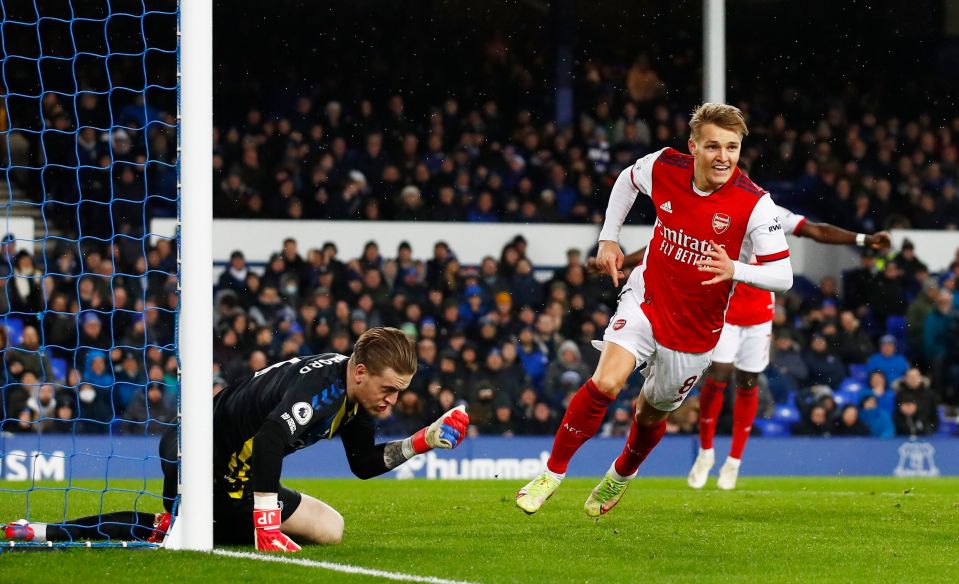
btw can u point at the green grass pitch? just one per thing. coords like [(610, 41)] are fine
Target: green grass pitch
[(769, 530)]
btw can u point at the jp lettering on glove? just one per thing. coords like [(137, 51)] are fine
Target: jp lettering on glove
[(446, 432), (267, 517)]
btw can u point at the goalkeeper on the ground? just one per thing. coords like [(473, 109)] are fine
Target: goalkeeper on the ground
[(261, 419)]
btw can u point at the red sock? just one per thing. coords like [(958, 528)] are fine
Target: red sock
[(641, 441), (583, 418), (710, 404), (744, 412)]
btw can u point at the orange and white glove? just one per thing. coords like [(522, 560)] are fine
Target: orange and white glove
[(266, 526)]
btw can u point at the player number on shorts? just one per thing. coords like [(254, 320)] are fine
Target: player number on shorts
[(688, 384)]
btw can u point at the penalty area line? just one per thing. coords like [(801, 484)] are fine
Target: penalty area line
[(345, 568)]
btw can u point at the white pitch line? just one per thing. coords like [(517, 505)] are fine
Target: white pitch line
[(345, 568)]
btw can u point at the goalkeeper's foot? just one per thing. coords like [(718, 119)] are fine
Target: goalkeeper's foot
[(19, 530), (699, 474), (536, 492), (728, 474), (161, 525), (605, 495)]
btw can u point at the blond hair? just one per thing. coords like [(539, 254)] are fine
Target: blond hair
[(381, 348), (727, 117)]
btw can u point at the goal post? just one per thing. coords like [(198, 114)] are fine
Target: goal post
[(105, 320), (194, 526)]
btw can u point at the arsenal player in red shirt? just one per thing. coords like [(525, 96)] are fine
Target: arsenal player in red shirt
[(742, 352), (711, 219)]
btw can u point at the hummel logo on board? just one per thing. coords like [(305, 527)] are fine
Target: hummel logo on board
[(667, 206)]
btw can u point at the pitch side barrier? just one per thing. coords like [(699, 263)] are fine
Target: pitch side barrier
[(55, 457)]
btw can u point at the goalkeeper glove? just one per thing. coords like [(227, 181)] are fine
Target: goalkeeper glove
[(266, 527), (446, 432)]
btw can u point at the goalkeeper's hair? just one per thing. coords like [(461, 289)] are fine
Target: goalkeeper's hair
[(381, 348), (727, 117)]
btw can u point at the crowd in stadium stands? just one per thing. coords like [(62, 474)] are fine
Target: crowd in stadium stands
[(454, 162), (879, 360), (514, 348), (102, 351)]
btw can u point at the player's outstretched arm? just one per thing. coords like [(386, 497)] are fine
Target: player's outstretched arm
[(830, 234), (368, 460)]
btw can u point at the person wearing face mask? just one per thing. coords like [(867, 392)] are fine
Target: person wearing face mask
[(261, 419)]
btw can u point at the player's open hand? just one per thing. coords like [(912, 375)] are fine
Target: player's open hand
[(717, 262), (879, 240), (609, 258)]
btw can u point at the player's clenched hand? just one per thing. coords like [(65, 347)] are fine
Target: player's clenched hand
[(879, 240), (267, 534), (446, 432), (718, 263), (609, 258)]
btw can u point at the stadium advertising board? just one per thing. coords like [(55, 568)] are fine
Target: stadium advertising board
[(503, 458)]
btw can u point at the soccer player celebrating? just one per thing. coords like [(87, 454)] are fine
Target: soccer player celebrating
[(281, 409), (670, 312), (742, 352)]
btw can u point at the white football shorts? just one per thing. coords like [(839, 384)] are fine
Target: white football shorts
[(670, 374), (747, 347)]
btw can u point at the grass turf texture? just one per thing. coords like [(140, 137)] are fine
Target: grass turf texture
[(769, 530)]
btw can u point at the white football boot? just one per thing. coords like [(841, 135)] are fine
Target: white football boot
[(699, 474), (728, 474)]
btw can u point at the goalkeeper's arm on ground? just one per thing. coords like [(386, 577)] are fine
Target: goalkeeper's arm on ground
[(368, 459)]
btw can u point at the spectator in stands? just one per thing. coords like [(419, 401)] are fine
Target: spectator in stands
[(815, 424), (851, 343), (234, 276), (849, 424), (28, 358), (533, 357), (825, 368), (524, 405), (887, 295), (914, 387), (923, 304), (859, 282), (39, 413), (892, 364), (879, 386), (787, 369), (493, 374), (907, 419), (23, 288), (544, 422), (878, 419), (130, 379), (148, 414), (566, 373), (939, 330), (502, 422), (523, 286), (619, 422)]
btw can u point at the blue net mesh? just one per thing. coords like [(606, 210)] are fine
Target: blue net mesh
[(88, 295)]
